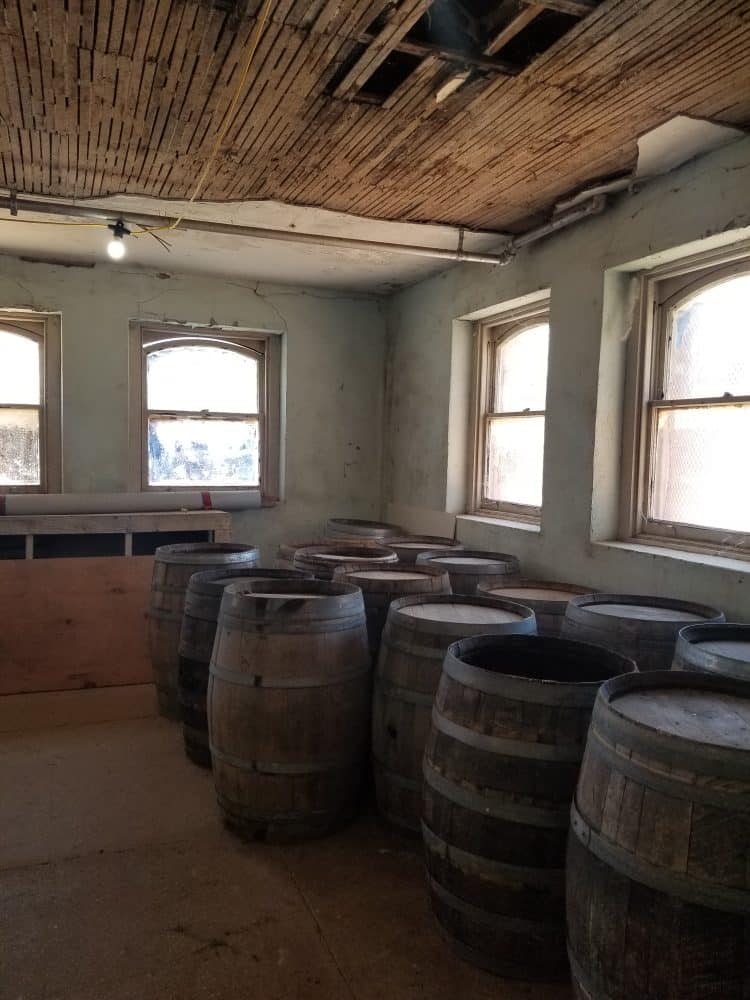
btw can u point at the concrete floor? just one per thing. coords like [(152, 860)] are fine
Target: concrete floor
[(117, 881)]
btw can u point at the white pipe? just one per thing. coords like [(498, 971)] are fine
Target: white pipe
[(24, 504)]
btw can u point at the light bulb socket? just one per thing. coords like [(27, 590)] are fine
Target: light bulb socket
[(119, 229)]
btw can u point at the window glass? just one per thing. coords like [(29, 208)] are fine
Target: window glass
[(19, 368), (521, 370), (189, 451), (515, 455), (195, 378), (709, 343), (19, 447), (701, 476)]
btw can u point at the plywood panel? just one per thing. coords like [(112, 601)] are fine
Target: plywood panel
[(73, 623)]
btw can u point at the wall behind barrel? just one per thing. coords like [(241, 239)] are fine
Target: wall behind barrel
[(585, 270), (334, 384)]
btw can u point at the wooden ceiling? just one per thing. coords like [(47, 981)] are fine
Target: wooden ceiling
[(110, 96)]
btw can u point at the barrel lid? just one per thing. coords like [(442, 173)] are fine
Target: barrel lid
[(460, 612), (725, 640), (469, 560), (639, 608), (533, 592), (712, 717), (644, 612), (386, 574)]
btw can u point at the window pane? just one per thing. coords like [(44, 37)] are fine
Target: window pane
[(202, 378), (515, 456), (19, 447), (19, 368), (701, 476), (194, 452), (709, 353), (521, 370)]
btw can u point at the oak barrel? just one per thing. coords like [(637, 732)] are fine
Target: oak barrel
[(643, 628), (288, 704), (417, 632), (286, 552), (352, 529), (500, 767), (202, 601), (382, 584), (658, 903), (173, 567), (323, 560), (714, 649), (547, 600), (471, 567), (410, 546)]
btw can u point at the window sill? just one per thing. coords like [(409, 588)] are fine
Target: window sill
[(534, 527), (682, 555)]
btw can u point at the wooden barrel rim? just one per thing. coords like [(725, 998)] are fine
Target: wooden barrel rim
[(403, 571), (427, 624), (614, 727), (249, 603), (492, 561), (541, 604), (688, 653), (460, 665), (358, 522), (578, 607), (212, 582), (204, 552)]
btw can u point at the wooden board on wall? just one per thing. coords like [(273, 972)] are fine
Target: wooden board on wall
[(74, 623)]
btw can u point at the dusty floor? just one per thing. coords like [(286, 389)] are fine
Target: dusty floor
[(117, 881)]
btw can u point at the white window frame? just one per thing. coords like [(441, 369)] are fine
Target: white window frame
[(145, 337), (44, 328), (489, 333), (660, 290)]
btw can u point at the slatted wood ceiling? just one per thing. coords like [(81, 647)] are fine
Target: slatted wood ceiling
[(109, 96)]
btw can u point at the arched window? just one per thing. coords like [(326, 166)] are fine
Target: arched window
[(694, 434), (204, 401), (512, 438), (28, 405)]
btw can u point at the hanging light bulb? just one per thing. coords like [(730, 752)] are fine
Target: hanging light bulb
[(116, 246)]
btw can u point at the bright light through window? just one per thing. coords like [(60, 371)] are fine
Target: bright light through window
[(20, 399)]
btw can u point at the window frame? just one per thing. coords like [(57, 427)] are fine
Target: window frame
[(45, 328), (659, 292), (489, 334), (147, 337)]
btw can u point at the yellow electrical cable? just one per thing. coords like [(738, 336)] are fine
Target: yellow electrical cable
[(221, 135), (227, 121)]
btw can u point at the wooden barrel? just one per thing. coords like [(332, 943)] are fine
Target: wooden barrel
[(410, 546), (642, 628), (286, 552), (323, 560), (417, 633), (349, 529), (381, 585), (714, 649), (658, 904), (173, 567), (547, 600), (202, 602), (470, 567), (500, 768), (288, 704)]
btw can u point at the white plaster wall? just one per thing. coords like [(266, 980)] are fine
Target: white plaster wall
[(705, 203), (334, 379)]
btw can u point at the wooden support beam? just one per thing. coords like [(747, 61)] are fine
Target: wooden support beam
[(525, 15), (425, 49), (398, 23), (577, 8)]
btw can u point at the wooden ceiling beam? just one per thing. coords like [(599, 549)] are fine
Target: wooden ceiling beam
[(399, 22), (426, 49), (524, 15), (577, 8)]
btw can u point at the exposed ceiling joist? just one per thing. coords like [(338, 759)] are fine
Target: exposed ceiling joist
[(421, 48), (576, 8), (514, 17)]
